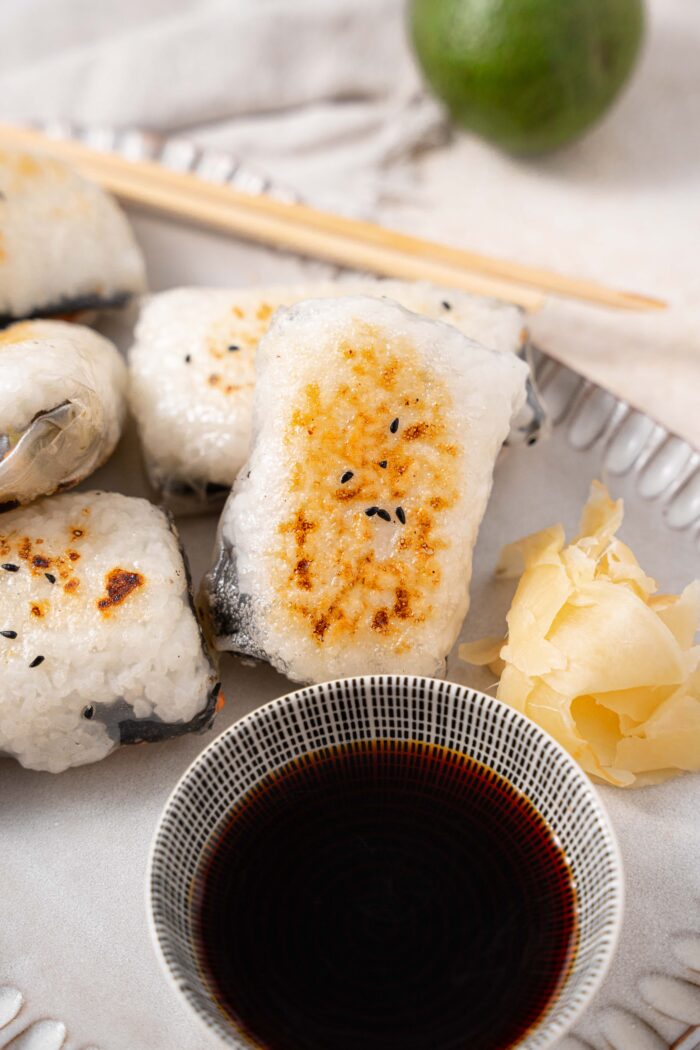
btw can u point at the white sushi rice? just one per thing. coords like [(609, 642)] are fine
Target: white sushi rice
[(44, 364), (192, 395), (145, 651), (307, 357), (61, 238)]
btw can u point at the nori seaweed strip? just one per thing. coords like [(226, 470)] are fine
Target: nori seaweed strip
[(70, 306), (151, 730)]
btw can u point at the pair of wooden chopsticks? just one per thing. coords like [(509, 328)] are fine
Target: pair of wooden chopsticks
[(299, 228)]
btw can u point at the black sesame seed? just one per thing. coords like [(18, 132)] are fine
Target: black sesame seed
[(346, 476), (232, 347), (384, 515), (401, 515), (88, 712), (37, 660), (383, 463), (446, 305), (188, 359), (394, 426), (9, 567), (50, 577), (371, 511), (8, 634), (532, 440)]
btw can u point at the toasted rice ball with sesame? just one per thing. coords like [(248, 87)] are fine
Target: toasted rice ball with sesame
[(99, 644), (346, 545)]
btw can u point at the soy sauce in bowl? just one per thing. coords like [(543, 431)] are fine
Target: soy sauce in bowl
[(385, 895)]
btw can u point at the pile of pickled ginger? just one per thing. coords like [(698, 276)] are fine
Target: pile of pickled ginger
[(595, 655)]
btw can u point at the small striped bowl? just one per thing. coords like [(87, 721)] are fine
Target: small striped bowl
[(385, 708)]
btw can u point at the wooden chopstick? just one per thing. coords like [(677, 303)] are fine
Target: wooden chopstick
[(264, 219), (297, 227), (195, 205)]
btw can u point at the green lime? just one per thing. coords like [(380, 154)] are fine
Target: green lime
[(529, 75)]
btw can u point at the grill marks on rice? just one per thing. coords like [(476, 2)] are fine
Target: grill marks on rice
[(34, 556), (346, 568), (119, 585), (230, 344)]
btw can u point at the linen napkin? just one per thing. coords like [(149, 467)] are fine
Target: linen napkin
[(317, 91)]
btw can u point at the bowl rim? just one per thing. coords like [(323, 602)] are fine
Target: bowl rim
[(572, 1014)]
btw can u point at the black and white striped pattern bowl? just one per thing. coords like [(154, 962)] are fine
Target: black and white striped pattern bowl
[(381, 708)]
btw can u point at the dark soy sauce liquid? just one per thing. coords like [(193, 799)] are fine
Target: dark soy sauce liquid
[(386, 896)]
